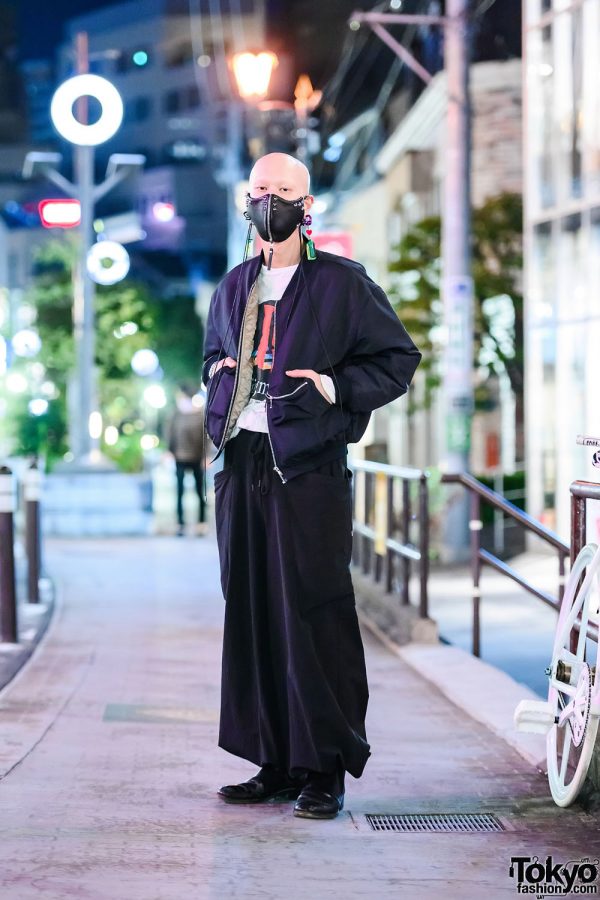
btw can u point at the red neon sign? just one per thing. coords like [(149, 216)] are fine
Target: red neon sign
[(61, 213)]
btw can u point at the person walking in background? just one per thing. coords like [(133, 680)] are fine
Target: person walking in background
[(185, 440)]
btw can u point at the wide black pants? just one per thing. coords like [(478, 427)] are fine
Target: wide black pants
[(294, 686)]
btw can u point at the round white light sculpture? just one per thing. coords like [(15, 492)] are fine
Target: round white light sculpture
[(144, 362), (16, 383), (26, 343), (155, 396), (61, 110), (38, 406), (107, 262)]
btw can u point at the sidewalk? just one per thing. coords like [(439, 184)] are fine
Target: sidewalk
[(109, 763)]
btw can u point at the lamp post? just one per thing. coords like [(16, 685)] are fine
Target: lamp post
[(252, 72), (84, 137)]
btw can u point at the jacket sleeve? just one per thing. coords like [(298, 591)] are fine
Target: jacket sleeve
[(382, 360), (212, 341)]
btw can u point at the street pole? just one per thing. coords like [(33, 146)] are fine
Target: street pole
[(457, 283), (84, 295), (236, 231)]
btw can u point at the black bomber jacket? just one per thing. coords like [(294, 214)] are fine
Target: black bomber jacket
[(331, 318)]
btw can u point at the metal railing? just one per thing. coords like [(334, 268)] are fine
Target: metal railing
[(383, 527), (479, 556)]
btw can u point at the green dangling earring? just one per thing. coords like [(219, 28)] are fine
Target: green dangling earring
[(310, 247), (248, 242)]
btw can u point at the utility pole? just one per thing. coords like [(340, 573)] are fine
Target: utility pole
[(457, 282)]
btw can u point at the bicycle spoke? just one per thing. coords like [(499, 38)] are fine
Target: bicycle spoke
[(564, 688), (565, 754), (566, 712)]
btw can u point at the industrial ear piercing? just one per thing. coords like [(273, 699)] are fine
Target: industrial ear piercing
[(310, 247)]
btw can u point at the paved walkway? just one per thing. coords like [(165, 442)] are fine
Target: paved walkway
[(109, 763)]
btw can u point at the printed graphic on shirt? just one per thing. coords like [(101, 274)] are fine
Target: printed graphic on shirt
[(262, 354)]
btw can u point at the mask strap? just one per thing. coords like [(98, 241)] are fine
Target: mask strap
[(270, 257)]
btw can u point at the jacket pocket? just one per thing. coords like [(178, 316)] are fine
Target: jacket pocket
[(305, 401)]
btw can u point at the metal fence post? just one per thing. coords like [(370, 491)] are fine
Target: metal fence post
[(424, 544), (405, 563), (8, 598), (32, 494), (389, 556), (475, 526)]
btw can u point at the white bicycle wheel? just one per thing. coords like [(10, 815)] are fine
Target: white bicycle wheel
[(570, 741)]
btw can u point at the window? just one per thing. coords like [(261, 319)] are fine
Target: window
[(179, 54), (172, 101), (141, 108)]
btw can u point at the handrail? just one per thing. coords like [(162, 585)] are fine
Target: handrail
[(376, 538), (501, 503), (479, 492)]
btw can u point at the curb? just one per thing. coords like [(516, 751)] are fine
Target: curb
[(483, 692)]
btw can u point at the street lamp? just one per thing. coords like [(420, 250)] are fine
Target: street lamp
[(253, 73), (85, 137)]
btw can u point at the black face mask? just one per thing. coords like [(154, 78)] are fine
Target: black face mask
[(274, 218)]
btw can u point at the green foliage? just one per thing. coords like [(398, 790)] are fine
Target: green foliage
[(497, 259), (171, 328)]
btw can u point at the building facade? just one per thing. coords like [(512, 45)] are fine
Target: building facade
[(410, 169), (562, 230)]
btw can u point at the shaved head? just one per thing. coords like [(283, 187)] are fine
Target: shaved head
[(279, 173)]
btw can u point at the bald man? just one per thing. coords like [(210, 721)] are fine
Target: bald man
[(301, 346)]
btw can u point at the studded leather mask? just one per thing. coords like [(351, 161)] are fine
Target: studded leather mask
[(274, 218)]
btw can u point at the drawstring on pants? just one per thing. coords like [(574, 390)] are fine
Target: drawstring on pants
[(261, 464)]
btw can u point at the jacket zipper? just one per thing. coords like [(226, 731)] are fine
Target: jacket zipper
[(281, 396), (275, 467)]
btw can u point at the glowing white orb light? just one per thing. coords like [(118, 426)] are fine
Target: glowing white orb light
[(111, 435), (155, 396), (107, 262), (95, 425), (26, 343), (50, 390), (66, 95), (38, 406), (149, 441), (144, 362), (163, 212), (16, 383)]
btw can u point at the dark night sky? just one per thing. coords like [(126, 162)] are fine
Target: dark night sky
[(313, 32)]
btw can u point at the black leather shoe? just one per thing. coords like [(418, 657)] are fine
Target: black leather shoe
[(267, 784), (316, 803)]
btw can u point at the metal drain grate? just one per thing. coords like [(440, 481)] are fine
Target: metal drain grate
[(470, 822)]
